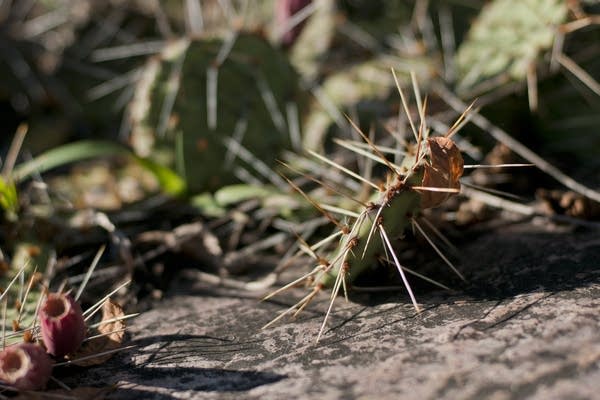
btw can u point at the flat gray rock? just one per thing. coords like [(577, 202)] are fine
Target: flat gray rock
[(527, 326)]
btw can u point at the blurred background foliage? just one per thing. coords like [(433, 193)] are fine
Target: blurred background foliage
[(71, 69), (201, 97)]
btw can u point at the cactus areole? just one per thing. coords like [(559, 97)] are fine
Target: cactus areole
[(438, 168)]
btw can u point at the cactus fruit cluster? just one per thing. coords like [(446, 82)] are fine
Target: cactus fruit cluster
[(28, 366), (60, 334)]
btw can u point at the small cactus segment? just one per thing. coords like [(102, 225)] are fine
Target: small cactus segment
[(200, 92), (62, 324), (508, 36), (426, 177), (25, 366), (438, 168)]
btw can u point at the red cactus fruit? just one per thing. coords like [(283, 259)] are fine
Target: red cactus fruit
[(25, 366), (62, 324)]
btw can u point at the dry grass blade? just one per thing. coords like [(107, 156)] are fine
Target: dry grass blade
[(194, 21), (579, 73), (13, 151), (128, 50), (259, 166), (296, 19)]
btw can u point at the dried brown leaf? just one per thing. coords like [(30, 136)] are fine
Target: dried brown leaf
[(113, 333), (444, 169)]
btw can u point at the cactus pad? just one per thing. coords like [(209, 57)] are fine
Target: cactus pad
[(507, 36), (171, 113)]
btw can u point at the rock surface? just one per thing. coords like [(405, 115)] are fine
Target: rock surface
[(527, 326)]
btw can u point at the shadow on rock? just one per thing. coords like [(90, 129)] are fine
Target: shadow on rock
[(176, 348), (200, 379), (122, 394), (497, 267), (184, 379), (156, 361), (504, 264)]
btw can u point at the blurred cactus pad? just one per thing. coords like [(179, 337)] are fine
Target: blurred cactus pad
[(200, 97), (507, 36)]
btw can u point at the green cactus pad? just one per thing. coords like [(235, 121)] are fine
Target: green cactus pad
[(170, 117), (508, 35)]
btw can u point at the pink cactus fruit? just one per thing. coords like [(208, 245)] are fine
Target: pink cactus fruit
[(62, 324), (284, 11), (25, 366)]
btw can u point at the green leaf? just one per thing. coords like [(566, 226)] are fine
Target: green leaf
[(234, 194), (65, 154), (208, 206), (168, 180), (9, 198)]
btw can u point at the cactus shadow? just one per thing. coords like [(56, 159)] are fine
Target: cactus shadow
[(163, 364), (500, 268), (501, 265)]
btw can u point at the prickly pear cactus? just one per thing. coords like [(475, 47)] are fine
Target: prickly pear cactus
[(201, 96), (426, 177), (507, 36)]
